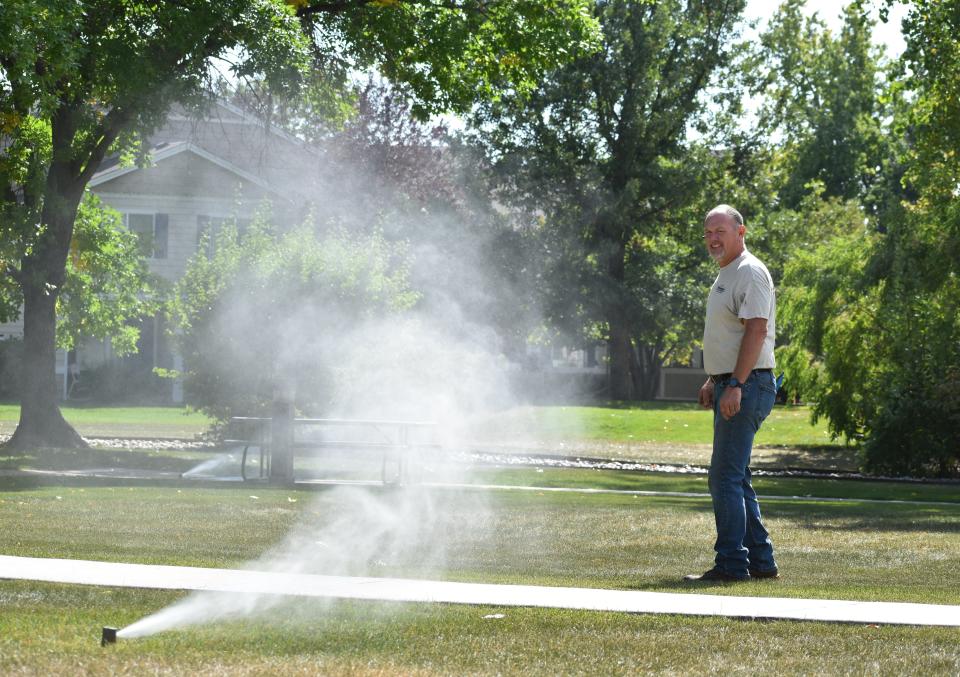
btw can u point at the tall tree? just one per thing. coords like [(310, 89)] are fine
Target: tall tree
[(820, 102), (873, 311), (601, 147), (932, 59), (92, 73), (89, 72)]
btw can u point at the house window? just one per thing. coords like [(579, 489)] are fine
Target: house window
[(153, 232)]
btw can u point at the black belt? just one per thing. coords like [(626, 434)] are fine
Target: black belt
[(719, 378)]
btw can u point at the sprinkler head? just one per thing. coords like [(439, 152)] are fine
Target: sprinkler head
[(108, 636)]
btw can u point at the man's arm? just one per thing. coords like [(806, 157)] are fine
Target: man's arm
[(705, 396), (754, 334)]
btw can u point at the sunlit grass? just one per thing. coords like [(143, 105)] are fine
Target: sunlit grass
[(645, 422), (121, 421), (355, 638), (839, 550), (608, 540)]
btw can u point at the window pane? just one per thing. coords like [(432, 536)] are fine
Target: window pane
[(142, 225), (161, 229)]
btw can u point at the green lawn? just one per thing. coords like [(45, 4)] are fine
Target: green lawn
[(889, 541), (150, 422), (687, 483), (677, 433), (648, 422), (671, 433), (645, 422), (831, 549), (658, 432)]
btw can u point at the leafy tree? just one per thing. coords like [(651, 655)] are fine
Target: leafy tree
[(106, 287), (872, 344), (107, 283), (423, 185), (828, 309), (872, 312), (386, 160), (933, 123), (666, 278), (821, 102), (601, 149), (270, 305), (918, 264), (77, 79)]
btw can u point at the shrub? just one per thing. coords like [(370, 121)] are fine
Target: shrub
[(267, 307), (917, 428), (125, 381)]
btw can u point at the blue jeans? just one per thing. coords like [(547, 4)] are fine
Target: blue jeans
[(742, 540)]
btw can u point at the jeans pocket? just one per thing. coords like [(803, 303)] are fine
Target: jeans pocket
[(768, 395)]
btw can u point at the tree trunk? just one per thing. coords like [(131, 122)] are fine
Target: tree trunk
[(621, 349), (649, 367), (41, 423), (43, 272), (621, 357)]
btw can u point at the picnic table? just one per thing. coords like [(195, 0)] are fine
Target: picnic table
[(278, 440)]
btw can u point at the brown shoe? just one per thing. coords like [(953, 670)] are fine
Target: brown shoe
[(715, 576), (772, 573)]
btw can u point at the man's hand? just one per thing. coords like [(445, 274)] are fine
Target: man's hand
[(730, 402), (705, 397)]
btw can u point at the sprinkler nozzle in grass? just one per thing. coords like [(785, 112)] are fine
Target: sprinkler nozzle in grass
[(108, 636)]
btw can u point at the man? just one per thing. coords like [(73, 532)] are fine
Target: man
[(738, 343)]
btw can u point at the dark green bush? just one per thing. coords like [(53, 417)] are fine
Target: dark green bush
[(127, 381), (917, 430)]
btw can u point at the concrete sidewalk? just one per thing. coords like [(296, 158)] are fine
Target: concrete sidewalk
[(118, 574)]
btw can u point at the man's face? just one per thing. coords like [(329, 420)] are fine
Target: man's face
[(723, 237)]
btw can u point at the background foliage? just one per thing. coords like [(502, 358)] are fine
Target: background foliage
[(266, 306)]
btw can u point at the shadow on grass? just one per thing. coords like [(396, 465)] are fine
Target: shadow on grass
[(874, 518), (807, 457), (33, 482), (677, 583), (899, 526), (87, 459)]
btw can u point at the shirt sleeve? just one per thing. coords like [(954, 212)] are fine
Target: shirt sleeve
[(757, 295)]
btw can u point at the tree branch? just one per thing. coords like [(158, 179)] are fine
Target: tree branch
[(111, 127)]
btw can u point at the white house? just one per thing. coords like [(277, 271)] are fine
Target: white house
[(201, 173)]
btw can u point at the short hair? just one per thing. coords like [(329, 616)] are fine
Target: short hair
[(726, 210)]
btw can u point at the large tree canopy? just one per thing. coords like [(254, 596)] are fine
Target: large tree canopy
[(79, 78), (871, 309), (602, 147), (819, 96)]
